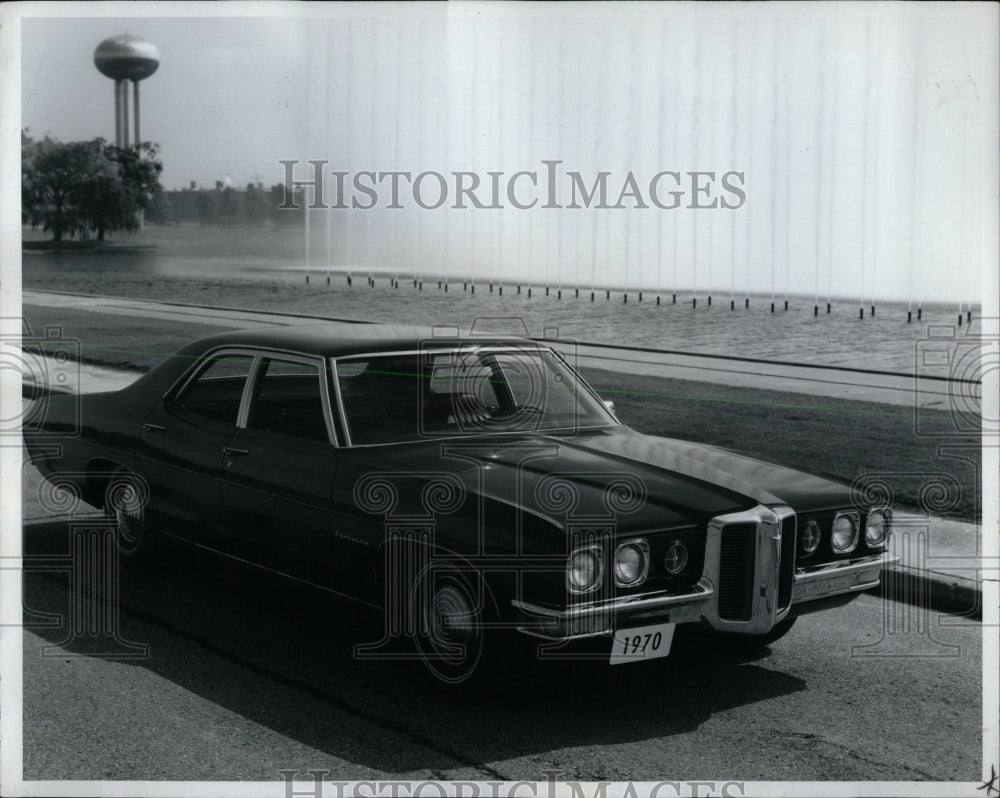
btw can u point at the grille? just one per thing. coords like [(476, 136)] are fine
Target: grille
[(736, 567), (786, 574)]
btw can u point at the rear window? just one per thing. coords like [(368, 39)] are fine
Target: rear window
[(216, 392)]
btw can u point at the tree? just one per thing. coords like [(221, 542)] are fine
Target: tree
[(208, 206), (83, 186), (231, 206), (117, 196), (160, 209), (255, 204), (54, 181)]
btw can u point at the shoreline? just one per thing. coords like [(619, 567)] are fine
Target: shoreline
[(91, 247)]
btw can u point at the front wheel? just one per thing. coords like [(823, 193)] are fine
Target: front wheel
[(450, 630)]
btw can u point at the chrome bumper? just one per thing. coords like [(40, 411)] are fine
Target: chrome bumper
[(833, 579), (701, 602)]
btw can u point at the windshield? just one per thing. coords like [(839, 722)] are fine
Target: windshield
[(475, 390)]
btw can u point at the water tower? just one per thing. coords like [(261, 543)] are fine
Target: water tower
[(126, 58)]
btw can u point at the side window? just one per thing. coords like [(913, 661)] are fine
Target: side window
[(288, 401), (216, 392), (381, 398)]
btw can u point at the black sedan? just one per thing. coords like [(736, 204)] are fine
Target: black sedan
[(474, 489)]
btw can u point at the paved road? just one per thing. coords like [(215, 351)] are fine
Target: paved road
[(221, 697)]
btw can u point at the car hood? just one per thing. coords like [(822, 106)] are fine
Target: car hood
[(766, 483), (616, 472)]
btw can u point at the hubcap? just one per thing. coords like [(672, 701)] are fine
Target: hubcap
[(128, 515), (453, 628)]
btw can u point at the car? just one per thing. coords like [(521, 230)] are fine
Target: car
[(474, 489)]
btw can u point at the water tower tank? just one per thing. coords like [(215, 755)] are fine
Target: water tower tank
[(126, 57)]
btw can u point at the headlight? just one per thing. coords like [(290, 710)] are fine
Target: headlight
[(877, 528), (583, 570), (631, 563), (845, 534), (810, 537)]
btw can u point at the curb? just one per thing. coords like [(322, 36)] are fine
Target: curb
[(941, 592)]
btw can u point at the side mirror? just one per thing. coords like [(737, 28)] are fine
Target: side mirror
[(610, 407)]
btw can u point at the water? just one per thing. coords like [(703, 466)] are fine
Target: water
[(264, 269)]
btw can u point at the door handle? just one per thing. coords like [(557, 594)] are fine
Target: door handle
[(231, 451), (147, 427)]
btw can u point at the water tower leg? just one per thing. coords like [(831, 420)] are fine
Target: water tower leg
[(135, 97), (125, 114), (118, 112)]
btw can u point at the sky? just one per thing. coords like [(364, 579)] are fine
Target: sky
[(855, 144)]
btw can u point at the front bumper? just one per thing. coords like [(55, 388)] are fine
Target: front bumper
[(773, 589)]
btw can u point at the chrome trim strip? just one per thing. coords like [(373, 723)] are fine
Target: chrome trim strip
[(581, 636), (852, 589), (481, 434), (340, 403), (845, 567), (783, 513), (700, 592), (249, 388), (324, 392)]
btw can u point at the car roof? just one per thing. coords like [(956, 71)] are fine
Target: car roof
[(342, 339)]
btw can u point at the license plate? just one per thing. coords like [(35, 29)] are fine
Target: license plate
[(642, 643)]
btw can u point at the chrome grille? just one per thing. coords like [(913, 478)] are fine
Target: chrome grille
[(736, 569)]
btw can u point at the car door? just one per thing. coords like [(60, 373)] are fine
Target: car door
[(378, 407), (279, 470), (183, 440)]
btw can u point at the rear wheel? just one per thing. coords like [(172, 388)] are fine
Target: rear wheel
[(125, 505)]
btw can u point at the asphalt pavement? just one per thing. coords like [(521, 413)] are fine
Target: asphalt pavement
[(220, 672)]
